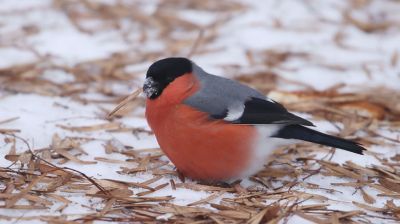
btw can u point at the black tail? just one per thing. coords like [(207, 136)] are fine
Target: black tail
[(309, 135)]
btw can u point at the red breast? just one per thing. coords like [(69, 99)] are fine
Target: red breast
[(193, 142)]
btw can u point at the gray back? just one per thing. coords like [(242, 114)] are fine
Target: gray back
[(217, 94)]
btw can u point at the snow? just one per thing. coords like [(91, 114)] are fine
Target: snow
[(40, 116)]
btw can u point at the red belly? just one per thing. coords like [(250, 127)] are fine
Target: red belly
[(201, 149)]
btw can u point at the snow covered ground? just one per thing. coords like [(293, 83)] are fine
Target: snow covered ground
[(336, 52)]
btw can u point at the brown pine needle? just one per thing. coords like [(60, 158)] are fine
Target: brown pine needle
[(130, 97), (9, 120)]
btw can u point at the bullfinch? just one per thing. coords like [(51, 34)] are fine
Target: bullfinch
[(216, 129)]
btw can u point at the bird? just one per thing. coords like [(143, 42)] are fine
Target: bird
[(215, 129)]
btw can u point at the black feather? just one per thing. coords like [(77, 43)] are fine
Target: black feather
[(309, 135), (260, 111)]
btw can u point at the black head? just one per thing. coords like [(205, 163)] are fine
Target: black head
[(163, 72)]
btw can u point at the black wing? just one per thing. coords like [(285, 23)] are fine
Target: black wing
[(260, 111)]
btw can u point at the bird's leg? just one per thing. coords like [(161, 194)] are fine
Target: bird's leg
[(235, 185), (238, 188), (180, 176)]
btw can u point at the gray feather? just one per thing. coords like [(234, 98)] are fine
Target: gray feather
[(217, 94)]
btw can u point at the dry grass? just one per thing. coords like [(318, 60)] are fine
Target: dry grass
[(39, 178)]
